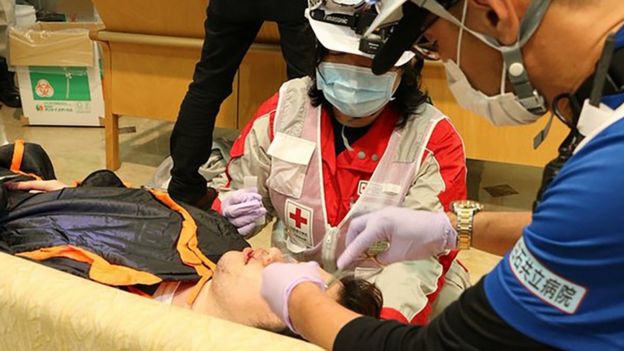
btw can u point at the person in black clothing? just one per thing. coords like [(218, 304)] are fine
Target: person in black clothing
[(231, 27), (9, 95)]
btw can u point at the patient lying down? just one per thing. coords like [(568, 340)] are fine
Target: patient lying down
[(233, 293)]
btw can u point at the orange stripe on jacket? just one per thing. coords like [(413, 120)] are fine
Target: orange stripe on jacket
[(18, 157), (100, 271), (187, 245)]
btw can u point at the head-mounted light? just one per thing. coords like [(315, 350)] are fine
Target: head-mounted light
[(358, 15), (415, 16)]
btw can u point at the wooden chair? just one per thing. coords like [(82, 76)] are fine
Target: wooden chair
[(150, 48)]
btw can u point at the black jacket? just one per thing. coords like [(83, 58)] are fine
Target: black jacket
[(124, 226)]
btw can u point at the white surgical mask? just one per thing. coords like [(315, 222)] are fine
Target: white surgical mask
[(502, 109), (355, 91)]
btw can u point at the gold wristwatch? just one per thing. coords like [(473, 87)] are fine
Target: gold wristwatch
[(465, 211)]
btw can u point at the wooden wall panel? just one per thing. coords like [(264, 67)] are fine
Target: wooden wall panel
[(483, 141), (146, 82), (184, 18), (261, 74)]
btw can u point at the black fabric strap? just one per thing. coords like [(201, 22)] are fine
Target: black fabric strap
[(615, 80)]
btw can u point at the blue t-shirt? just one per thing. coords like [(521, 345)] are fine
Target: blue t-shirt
[(563, 282)]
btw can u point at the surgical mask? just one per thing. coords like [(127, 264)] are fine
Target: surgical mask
[(500, 110), (355, 91), (504, 108)]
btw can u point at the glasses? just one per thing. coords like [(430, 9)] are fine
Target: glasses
[(423, 47), (426, 50)]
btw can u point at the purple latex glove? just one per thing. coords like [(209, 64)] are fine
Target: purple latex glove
[(242, 208), (413, 235), (279, 280)]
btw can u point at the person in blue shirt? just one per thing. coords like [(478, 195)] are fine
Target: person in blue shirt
[(559, 285)]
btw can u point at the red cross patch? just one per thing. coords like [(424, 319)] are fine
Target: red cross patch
[(299, 221)]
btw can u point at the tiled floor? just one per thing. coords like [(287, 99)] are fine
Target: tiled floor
[(76, 152)]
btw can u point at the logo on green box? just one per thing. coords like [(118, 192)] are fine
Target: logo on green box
[(60, 83)]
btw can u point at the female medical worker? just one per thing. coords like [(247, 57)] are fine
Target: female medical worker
[(328, 148), (560, 285)]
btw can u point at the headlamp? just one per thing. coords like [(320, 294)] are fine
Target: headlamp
[(355, 14)]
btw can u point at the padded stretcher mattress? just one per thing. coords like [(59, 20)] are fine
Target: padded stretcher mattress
[(45, 309)]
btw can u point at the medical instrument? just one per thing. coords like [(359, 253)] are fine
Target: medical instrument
[(329, 249), (337, 275), (252, 182), (358, 272)]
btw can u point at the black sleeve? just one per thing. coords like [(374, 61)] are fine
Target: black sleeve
[(467, 324)]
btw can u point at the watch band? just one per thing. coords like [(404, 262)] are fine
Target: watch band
[(464, 228), (465, 211)]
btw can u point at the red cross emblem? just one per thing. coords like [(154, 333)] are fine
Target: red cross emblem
[(299, 219)]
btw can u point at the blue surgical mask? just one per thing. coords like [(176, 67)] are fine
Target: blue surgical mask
[(355, 91)]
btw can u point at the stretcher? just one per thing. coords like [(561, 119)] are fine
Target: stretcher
[(45, 309)]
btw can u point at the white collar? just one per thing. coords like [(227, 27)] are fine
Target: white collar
[(594, 120)]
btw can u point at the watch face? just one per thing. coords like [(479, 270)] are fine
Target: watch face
[(467, 205)]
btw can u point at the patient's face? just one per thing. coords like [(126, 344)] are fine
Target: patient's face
[(236, 286)]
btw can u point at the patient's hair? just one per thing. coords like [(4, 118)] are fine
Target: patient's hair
[(409, 97), (359, 296)]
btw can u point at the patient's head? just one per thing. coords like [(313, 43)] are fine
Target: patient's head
[(235, 290)]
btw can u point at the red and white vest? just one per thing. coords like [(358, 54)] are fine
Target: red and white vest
[(295, 182)]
